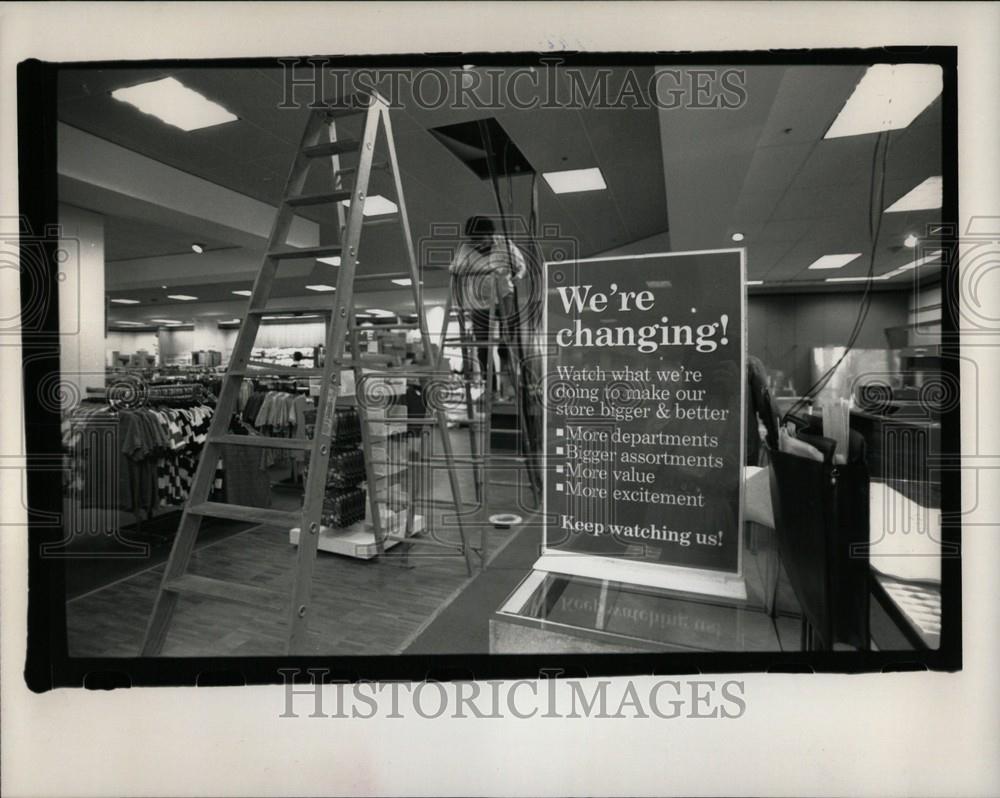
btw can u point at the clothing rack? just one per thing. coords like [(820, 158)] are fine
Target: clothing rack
[(132, 394), (152, 457)]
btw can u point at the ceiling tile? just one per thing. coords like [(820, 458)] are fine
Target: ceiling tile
[(762, 257), (808, 100), (837, 161), (773, 168), (756, 207), (790, 230), (74, 84)]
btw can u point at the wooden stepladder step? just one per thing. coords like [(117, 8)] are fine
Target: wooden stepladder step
[(319, 141)]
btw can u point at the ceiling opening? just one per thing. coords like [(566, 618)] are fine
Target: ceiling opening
[(465, 142)]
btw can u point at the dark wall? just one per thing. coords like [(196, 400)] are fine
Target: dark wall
[(782, 329)]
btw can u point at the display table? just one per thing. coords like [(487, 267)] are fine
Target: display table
[(906, 556), (554, 613)]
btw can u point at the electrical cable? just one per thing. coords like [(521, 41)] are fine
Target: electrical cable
[(864, 306), (515, 328), (510, 179), (874, 228)]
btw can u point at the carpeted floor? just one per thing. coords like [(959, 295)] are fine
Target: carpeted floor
[(462, 626), (96, 561)]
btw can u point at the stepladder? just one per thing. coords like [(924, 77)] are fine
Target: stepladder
[(321, 147), (498, 448)]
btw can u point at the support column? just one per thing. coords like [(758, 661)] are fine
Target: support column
[(208, 336), (82, 317)]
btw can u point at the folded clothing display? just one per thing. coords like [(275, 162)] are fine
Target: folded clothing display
[(343, 507), (346, 432), (347, 468)]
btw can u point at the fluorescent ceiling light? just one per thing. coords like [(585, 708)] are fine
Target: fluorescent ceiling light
[(129, 323), (888, 97), (925, 197), (125, 301), (894, 272), (930, 257), (573, 180), (242, 293), (375, 205), (379, 313), (167, 321), (172, 102), (321, 287), (275, 318), (198, 248), (182, 297), (834, 261), (331, 261), (755, 282), (403, 281), (924, 261)]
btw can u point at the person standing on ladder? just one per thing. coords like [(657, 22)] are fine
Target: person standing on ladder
[(483, 273)]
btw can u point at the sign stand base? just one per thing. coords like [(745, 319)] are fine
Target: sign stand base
[(667, 577)]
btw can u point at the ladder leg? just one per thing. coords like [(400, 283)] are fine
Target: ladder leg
[(166, 601), (370, 476), (470, 412), (456, 491), (515, 361), (442, 419), (490, 379), (319, 456)]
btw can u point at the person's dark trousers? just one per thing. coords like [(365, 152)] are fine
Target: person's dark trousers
[(481, 334)]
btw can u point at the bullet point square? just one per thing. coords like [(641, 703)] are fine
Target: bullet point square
[(559, 450), (559, 487), (559, 469), (560, 432)]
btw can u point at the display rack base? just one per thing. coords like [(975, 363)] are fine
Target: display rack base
[(358, 540)]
